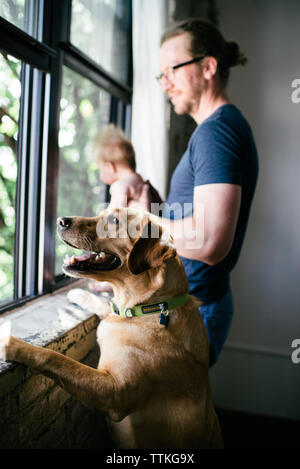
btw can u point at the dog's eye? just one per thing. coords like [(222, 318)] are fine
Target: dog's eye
[(112, 219)]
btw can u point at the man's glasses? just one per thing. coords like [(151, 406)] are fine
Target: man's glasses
[(169, 74)]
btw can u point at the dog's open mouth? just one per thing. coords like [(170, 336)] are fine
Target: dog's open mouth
[(92, 261)]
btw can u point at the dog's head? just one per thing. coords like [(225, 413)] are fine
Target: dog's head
[(118, 243)]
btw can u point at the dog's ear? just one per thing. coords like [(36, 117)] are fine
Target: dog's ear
[(150, 249)]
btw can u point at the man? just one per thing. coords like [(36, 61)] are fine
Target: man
[(216, 175)]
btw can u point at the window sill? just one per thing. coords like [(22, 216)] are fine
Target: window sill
[(51, 321), (35, 413)]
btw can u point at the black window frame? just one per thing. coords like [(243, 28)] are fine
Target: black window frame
[(38, 151)]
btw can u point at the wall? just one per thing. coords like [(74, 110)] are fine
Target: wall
[(255, 372)]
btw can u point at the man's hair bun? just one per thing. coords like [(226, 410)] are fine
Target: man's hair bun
[(233, 55)]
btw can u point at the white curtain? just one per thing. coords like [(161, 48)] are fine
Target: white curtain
[(149, 123)]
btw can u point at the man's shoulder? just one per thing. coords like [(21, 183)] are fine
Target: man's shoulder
[(226, 122), (227, 113)]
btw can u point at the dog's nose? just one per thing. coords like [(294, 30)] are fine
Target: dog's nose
[(64, 222)]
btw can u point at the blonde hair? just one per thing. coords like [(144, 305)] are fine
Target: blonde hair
[(113, 145)]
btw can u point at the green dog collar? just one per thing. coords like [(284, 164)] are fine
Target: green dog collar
[(141, 310)]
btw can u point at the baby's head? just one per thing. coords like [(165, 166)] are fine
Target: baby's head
[(114, 153)]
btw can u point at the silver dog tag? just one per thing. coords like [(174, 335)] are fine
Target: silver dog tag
[(128, 313), (164, 315)]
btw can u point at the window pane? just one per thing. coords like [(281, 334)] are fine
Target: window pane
[(21, 13), (10, 91), (84, 109), (100, 28)]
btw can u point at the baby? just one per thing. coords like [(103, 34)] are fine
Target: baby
[(117, 166)]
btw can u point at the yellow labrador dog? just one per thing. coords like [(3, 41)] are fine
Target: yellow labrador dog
[(152, 380)]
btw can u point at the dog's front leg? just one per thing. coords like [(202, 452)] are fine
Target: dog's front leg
[(94, 388)]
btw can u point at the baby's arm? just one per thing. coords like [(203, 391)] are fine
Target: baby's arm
[(119, 192)]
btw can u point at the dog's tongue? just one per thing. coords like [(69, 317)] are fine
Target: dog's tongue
[(83, 257), (91, 257)]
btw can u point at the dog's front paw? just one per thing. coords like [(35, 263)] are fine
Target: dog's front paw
[(89, 302), (78, 297), (15, 349), (5, 329)]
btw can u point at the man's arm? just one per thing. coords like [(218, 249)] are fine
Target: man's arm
[(209, 234)]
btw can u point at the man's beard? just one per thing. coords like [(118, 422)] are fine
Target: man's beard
[(183, 105), (182, 108)]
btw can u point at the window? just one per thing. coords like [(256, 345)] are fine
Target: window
[(23, 14), (100, 29), (85, 108), (58, 87), (10, 92)]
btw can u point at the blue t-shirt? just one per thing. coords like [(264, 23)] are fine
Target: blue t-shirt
[(220, 150)]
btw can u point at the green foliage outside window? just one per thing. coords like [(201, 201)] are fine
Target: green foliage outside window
[(84, 110), (10, 91)]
